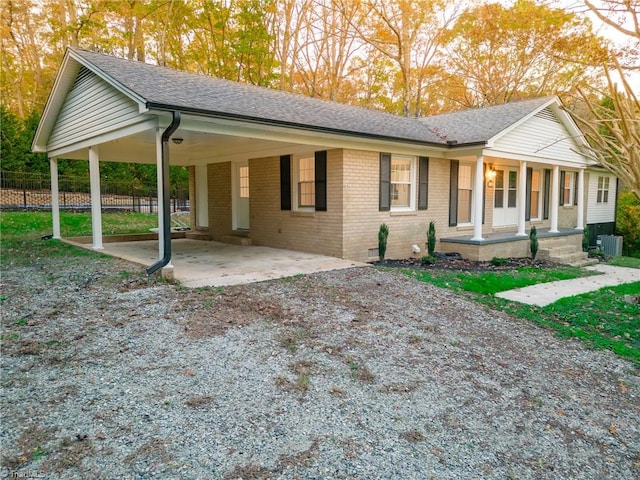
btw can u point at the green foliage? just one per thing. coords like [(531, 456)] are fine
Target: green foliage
[(428, 260), (383, 234), (498, 261), (533, 242), (629, 262), (585, 239), (628, 223), (15, 143), (431, 239), (494, 282)]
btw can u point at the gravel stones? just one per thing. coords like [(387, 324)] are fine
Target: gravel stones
[(358, 373)]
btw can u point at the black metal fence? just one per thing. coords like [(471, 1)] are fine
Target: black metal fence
[(32, 191)]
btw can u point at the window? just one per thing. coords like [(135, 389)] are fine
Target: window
[(498, 201), (465, 189), (512, 193), (536, 184), (603, 190), (303, 182), (567, 188), (401, 180), (244, 182), (306, 182)]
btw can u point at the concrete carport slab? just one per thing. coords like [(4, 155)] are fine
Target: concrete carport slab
[(198, 263)]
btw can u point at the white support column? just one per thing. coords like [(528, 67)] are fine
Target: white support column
[(580, 219), (55, 198), (159, 177), (555, 199), (522, 199), (96, 203), (478, 205)]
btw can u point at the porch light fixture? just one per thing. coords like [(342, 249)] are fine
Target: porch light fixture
[(490, 176), (177, 141)]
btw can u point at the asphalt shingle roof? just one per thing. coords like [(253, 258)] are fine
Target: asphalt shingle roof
[(165, 87)]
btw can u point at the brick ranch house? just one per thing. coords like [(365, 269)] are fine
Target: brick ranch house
[(288, 171)]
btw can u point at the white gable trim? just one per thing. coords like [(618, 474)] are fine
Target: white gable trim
[(65, 79)]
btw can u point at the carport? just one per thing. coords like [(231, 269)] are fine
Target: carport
[(207, 264)]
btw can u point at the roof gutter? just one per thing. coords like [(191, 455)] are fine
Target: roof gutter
[(166, 201), (278, 123)]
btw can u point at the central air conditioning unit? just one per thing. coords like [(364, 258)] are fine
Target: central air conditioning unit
[(610, 244)]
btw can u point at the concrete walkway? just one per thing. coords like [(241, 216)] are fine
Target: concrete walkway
[(544, 294)]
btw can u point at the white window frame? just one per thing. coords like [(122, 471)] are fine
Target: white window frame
[(604, 186), (295, 180), (413, 183)]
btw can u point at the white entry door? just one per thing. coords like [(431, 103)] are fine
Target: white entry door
[(505, 198), (241, 196)]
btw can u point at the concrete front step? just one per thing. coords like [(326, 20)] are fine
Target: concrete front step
[(585, 263), (198, 235), (546, 253), (235, 240), (569, 258)]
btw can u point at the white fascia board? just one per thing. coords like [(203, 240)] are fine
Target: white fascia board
[(61, 86), (515, 125), (532, 158), (238, 128), (106, 137)]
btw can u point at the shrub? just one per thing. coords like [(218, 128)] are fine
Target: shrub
[(585, 239), (383, 233), (533, 242), (431, 239), (628, 224), (498, 261), (428, 260)]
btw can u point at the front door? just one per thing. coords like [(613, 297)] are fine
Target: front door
[(241, 196), (505, 197)]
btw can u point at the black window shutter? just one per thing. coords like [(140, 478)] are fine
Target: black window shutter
[(321, 181), (285, 182), (423, 184), (575, 189), (562, 174), (385, 182), (527, 214), (547, 192), (453, 193)]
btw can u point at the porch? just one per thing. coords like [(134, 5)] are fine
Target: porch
[(563, 246), (213, 264)]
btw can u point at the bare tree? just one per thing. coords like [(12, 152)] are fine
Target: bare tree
[(613, 131)]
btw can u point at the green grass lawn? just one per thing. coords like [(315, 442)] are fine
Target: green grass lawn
[(21, 232), (602, 319)]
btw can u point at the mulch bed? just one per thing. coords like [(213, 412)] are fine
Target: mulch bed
[(456, 262)]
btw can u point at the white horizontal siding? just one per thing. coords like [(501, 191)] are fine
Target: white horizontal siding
[(543, 136), (600, 212), (92, 107)]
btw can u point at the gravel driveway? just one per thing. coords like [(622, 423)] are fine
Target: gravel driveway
[(353, 374)]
